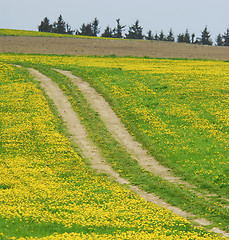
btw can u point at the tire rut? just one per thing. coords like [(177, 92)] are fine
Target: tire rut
[(119, 132), (91, 152)]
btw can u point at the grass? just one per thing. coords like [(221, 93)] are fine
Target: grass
[(190, 124), (48, 190), (128, 167), (106, 79), (186, 135), (184, 106), (14, 32)]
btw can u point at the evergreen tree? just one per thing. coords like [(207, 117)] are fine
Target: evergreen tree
[(95, 27), (108, 32), (149, 35), (82, 30), (193, 38), (59, 26), (184, 37), (156, 37), (170, 36), (45, 26), (219, 40), (118, 30), (69, 30), (198, 40), (135, 31), (205, 37), (187, 37), (180, 38), (162, 36), (226, 38), (86, 30)]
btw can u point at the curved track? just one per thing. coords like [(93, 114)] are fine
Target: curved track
[(91, 152)]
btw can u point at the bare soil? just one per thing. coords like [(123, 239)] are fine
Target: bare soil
[(138, 48)]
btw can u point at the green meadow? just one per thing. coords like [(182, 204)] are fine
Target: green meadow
[(177, 109)]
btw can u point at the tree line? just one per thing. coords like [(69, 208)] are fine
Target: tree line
[(135, 31)]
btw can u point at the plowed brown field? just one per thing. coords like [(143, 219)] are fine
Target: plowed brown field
[(80, 46)]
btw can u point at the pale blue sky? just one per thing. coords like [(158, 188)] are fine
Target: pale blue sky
[(152, 14)]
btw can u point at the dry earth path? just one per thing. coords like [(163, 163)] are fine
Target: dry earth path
[(119, 131), (91, 152)]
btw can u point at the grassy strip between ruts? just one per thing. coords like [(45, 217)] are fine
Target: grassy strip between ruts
[(48, 191), (128, 167)]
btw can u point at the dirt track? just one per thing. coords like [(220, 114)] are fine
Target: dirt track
[(79, 46), (79, 135), (119, 132)]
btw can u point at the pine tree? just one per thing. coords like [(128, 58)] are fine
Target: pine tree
[(219, 40), (149, 35), (118, 30), (86, 30), (107, 32), (135, 31), (180, 38), (156, 37), (95, 27), (82, 30), (226, 38), (187, 37), (170, 36), (69, 30), (59, 26), (162, 36), (205, 37), (193, 38), (184, 37), (45, 26)]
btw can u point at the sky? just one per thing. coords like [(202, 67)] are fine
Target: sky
[(154, 15)]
